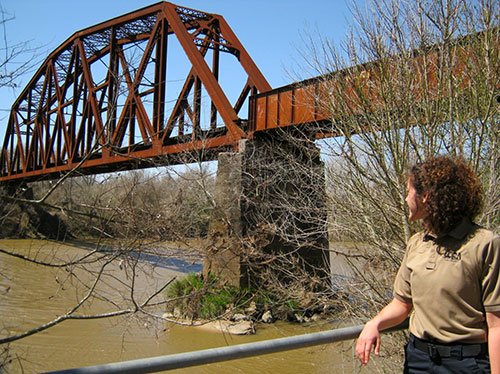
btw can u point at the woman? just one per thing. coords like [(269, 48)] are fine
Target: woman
[(449, 277)]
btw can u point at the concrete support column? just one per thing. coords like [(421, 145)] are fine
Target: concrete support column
[(270, 220)]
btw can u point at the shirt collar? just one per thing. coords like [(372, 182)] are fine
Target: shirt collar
[(459, 232), (463, 228)]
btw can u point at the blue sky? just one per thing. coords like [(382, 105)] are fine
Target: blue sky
[(270, 30)]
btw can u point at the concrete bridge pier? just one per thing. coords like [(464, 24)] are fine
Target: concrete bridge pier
[(270, 217)]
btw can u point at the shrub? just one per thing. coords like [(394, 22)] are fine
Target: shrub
[(194, 297)]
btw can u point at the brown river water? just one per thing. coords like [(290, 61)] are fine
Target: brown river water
[(31, 295)]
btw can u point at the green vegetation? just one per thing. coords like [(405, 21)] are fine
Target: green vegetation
[(194, 297)]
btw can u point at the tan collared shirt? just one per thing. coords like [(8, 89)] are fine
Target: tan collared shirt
[(451, 281)]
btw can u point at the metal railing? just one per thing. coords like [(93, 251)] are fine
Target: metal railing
[(209, 356)]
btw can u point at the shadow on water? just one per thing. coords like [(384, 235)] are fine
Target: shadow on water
[(171, 263), (174, 259)]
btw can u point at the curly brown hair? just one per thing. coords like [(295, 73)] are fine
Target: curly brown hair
[(454, 192)]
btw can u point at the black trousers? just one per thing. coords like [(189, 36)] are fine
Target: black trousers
[(430, 361)]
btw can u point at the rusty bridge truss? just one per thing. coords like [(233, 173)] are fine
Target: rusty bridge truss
[(99, 101), (102, 101)]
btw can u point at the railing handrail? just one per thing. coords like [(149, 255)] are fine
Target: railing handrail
[(209, 356)]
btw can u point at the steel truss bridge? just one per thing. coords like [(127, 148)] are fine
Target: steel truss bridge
[(100, 102)]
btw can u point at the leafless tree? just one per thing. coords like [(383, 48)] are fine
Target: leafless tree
[(413, 79), (131, 225), (16, 59)]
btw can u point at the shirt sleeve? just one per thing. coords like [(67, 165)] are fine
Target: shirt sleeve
[(490, 280), (402, 284)]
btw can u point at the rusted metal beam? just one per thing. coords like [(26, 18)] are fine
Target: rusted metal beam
[(212, 86), (309, 101)]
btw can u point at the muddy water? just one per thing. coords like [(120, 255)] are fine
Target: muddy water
[(31, 295)]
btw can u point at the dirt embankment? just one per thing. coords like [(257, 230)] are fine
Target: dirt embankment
[(25, 220)]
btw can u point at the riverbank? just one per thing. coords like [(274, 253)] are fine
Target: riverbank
[(237, 324), (213, 303), (233, 311), (225, 326), (27, 220)]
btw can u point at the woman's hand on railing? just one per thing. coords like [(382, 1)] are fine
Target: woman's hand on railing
[(391, 315), (369, 337)]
